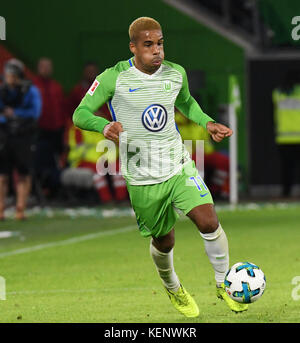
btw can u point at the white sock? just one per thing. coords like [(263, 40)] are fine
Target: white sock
[(216, 248), (165, 268)]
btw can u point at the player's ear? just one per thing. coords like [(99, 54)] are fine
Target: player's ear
[(132, 48)]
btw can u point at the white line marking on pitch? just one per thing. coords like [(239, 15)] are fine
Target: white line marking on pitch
[(8, 234), (69, 241), (90, 290)]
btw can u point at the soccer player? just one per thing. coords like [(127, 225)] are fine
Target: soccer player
[(141, 93)]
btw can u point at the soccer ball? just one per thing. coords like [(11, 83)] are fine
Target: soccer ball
[(245, 282)]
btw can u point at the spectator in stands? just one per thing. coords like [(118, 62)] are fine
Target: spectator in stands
[(286, 106), (82, 144), (90, 71), (50, 142), (20, 107)]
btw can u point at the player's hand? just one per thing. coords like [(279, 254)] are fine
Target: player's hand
[(112, 130), (218, 131)]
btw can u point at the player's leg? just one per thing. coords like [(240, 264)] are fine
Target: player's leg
[(161, 251), (194, 199), (156, 218), (164, 243), (216, 248), (215, 240)]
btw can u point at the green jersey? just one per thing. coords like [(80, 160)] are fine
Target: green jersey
[(151, 148)]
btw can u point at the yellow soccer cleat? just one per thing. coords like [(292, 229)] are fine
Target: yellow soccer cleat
[(233, 305), (183, 302)]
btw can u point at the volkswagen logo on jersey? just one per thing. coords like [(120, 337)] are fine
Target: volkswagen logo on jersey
[(154, 117)]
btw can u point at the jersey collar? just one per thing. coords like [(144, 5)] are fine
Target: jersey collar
[(144, 75)]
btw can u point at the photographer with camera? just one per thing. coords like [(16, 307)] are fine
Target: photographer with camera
[(20, 106)]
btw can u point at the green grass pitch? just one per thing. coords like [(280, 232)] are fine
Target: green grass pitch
[(93, 270)]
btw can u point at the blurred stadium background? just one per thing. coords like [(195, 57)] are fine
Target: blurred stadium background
[(211, 39), (214, 40)]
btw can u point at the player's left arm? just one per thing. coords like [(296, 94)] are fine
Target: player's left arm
[(191, 109)]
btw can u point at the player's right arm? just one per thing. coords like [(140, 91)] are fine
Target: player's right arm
[(101, 91)]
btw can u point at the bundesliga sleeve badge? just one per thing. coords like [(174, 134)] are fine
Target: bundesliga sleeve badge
[(93, 87)]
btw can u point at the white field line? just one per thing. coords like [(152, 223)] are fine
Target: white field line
[(89, 290), (69, 241)]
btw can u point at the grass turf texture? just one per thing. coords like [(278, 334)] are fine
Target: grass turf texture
[(112, 278)]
